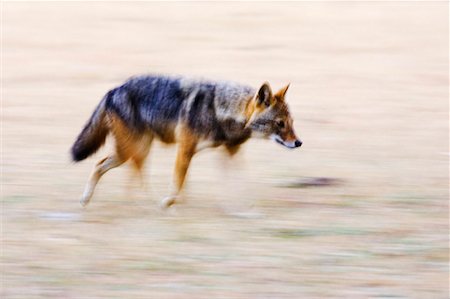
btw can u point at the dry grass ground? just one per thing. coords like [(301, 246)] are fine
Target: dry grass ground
[(369, 93)]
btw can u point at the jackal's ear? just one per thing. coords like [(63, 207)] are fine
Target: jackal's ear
[(264, 95), (282, 92)]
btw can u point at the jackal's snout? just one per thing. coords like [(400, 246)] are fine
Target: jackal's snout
[(290, 139), (294, 143)]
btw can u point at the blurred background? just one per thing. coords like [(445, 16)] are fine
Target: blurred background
[(359, 211)]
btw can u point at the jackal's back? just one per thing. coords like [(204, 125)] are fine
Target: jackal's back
[(159, 103)]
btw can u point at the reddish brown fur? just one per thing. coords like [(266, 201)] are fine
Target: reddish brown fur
[(281, 93), (264, 111), (129, 145), (186, 149)]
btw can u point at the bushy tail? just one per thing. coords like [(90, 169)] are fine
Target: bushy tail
[(93, 135)]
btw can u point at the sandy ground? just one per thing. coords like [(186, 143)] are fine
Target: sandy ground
[(369, 94)]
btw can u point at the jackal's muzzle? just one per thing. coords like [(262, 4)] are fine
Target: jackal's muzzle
[(289, 144)]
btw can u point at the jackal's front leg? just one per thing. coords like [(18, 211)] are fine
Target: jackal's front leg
[(186, 151)]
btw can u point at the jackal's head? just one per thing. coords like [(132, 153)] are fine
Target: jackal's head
[(270, 117)]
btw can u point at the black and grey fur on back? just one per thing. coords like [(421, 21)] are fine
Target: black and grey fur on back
[(213, 111)]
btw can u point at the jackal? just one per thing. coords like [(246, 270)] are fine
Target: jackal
[(194, 113)]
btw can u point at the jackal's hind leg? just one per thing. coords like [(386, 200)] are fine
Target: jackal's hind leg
[(100, 169), (139, 157)]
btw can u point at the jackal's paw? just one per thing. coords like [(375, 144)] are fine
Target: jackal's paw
[(168, 201), (84, 202)]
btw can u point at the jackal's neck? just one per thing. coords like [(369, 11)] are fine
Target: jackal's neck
[(233, 118), (249, 109)]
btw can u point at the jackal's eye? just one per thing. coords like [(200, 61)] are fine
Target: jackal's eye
[(280, 124)]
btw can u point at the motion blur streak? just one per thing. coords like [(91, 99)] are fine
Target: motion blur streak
[(359, 211)]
